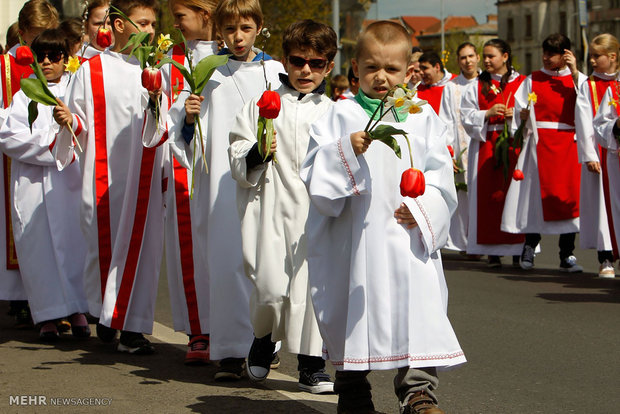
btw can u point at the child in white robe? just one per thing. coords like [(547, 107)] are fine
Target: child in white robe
[(273, 206), (378, 287), (45, 203), (122, 200), (594, 198), (218, 228)]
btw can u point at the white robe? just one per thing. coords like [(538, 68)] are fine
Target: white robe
[(378, 289), (45, 212), (594, 227), (523, 210), (125, 246), (273, 207), (450, 113), (473, 119), (11, 286), (604, 122), (216, 225), (188, 283)]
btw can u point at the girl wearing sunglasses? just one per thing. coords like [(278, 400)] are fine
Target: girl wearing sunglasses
[(45, 203)]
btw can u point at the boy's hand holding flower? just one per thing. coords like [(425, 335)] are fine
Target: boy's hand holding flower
[(360, 141), (192, 108), (62, 113), (403, 216)]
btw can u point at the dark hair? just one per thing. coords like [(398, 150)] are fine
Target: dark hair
[(556, 43), (126, 6), (51, 40), (432, 58), (416, 49), (308, 34), (485, 76), (73, 30), (463, 46)]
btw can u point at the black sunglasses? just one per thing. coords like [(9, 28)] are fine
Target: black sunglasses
[(301, 62), (54, 57)]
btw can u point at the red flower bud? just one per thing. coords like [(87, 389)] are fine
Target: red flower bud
[(151, 79), (451, 150), (517, 175), (23, 56), (104, 37), (412, 183), (269, 105)]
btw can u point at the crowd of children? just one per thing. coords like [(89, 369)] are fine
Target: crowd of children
[(302, 242)]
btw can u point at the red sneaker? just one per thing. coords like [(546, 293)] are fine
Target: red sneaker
[(198, 352)]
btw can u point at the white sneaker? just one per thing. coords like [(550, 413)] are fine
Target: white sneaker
[(606, 270)]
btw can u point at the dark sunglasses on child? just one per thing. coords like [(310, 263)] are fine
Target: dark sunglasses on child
[(300, 62), (54, 57)]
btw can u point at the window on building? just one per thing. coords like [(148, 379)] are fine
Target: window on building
[(528, 26), (510, 29), (528, 63), (563, 23)]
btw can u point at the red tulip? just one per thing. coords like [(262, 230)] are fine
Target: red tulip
[(151, 79), (451, 150), (498, 196), (269, 105), (517, 175), (104, 37), (23, 56), (412, 183)]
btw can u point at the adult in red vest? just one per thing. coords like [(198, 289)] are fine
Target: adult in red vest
[(434, 79), (547, 199)]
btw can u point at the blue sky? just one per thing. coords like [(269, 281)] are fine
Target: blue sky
[(392, 8)]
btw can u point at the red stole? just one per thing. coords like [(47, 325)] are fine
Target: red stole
[(181, 196), (559, 171), (492, 186), (11, 75), (432, 94), (601, 88)]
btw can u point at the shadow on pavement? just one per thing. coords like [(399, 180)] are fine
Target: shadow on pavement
[(230, 404)]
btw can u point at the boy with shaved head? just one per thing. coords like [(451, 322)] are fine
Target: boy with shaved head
[(378, 288)]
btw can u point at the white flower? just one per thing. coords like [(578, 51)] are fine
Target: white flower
[(396, 99), (495, 90)]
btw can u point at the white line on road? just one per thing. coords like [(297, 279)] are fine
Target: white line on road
[(169, 336)]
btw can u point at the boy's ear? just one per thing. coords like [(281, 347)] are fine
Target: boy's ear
[(355, 68), (118, 25), (330, 67), (409, 73)]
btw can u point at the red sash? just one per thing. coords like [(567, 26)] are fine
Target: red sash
[(559, 171), (101, 171), (186, 247), (492, 186), (432, 94), (606, 188)]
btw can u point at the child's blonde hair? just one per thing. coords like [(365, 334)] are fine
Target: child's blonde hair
[(385, 32), (206, 5), (340, 82), (607, 44), (37, 14), (229, 10)]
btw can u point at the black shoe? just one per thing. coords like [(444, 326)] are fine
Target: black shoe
[(275, 361), (231, 369), (494, 262), (135, 343), (49, 332), (260, 358), (316, 382), (527, 258), (23, 319), (105, 334)]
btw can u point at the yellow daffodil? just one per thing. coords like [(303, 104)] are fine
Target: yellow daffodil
[(159, 55), (532, 98), (414, 107), (164, 42), (397, 99), (73, 64), (613, 103)]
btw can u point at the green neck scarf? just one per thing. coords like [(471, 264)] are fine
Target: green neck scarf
[(370, 105)]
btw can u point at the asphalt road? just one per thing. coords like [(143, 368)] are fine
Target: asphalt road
[(536, 342)]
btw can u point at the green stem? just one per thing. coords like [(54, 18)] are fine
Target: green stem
[(202, 144), (410, 155), (191, 192)]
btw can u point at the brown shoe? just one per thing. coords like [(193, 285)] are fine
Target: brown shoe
[(421, 403)]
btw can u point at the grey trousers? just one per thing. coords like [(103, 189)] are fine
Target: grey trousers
[(353, 388)]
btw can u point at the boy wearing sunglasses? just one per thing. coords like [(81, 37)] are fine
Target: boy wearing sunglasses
[(378, 287), (273, 205), (246, 75)]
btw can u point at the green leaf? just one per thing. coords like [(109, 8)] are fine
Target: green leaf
[(384, 133), (35, 90), (268, 136), (137, 39), (143, 53), (260, 137), (33, 113), (188, 77), (461, 187), (205, 68)]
